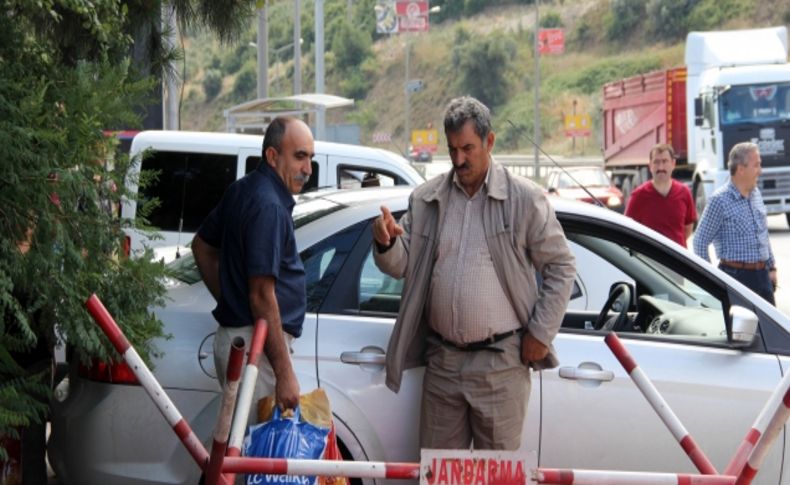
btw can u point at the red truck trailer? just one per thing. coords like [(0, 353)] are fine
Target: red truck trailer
[(639, 112)]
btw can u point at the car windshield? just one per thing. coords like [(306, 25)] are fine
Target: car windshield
[(586, 178), (307, 209)]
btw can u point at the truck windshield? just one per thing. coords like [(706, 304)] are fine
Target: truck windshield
[(756, 103)]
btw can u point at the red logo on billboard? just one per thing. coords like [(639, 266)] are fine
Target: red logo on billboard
[(412, 16), (551, 41)]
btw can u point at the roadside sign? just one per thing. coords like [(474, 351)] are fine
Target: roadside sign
[(551, 41), (412, 15), (425, 139), (386, 17), (578, 125), (382, 137), (477, 467)]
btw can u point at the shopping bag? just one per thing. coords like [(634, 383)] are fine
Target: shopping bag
[(285, 437), (314, 410)]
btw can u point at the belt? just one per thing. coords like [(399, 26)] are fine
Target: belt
[(740, 265), (481, 344)]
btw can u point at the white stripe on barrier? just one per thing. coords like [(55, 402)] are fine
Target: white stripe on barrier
[(609, 477), (149, 382), (246, 394), (659, 404)]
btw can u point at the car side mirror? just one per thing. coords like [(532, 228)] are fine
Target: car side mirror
[(744, 326), (553, 190)]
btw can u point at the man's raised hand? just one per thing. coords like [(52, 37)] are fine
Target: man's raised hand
[(385, 228)]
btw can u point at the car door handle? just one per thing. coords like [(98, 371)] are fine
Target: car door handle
[(362, 358), (576, 373)]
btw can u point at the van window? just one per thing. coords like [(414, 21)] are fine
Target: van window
[(354, 177), (312, 184), (188, 187)]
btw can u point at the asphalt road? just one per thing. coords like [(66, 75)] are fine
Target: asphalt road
[(780, 244)]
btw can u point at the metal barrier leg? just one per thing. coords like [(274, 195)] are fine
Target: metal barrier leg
[(220, 444), (246, 393), (661, 407), (148, 381)]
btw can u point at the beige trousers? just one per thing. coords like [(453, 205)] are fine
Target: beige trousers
[(474, 398)]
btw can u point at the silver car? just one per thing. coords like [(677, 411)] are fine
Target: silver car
[(671, 309)]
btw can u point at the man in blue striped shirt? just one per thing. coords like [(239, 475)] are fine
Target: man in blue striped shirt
[(735, 222)]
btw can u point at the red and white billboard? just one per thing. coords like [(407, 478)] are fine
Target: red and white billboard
[(412, 15), (551, 41)]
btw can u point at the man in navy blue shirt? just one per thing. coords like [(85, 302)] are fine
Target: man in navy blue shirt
[(735, 222), (246, 253)]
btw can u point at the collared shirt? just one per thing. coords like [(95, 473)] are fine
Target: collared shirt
[(467, 302), (253, 228), (668, 214), (736, 225)]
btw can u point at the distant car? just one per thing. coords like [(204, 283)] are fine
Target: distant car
[(572, 182), (420, 155), (713, 348)]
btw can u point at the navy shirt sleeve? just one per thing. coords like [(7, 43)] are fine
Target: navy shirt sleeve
[(265, 237)]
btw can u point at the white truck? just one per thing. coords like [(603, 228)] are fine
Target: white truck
[(734, 87), (195, 168)]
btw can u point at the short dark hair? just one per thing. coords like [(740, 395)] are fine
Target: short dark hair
[(466, 108), (662, 147), (275, 133)]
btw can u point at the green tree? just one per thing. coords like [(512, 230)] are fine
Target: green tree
[(623, 18), (488, 59), (212, 83), (66, 77)]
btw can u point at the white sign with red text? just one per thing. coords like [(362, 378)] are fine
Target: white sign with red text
[(480, 467)]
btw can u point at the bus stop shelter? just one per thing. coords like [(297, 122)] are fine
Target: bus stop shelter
[(254, 116)]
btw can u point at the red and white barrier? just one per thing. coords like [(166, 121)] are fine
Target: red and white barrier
[(599, 477), (660, 405), (329, 468), (148, 381), (246, 392), (220, 443), (759, 439)]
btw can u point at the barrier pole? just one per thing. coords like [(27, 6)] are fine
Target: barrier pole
[(327, 468), (600, 477), (148, 381), (661, 407), (246, 393), (221, 432), (779, 411)]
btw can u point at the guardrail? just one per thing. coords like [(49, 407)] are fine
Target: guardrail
[(517, 164)]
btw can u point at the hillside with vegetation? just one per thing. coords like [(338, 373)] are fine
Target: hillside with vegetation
[(477, 47)]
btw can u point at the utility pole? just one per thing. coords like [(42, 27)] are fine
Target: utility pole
[(407, 123), (297, 47), (263, 53), (536, 128), (320, 125)]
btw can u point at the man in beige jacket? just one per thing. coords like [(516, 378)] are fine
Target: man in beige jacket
[(470, 247)]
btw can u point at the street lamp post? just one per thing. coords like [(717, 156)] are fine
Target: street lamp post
[(408, 87)]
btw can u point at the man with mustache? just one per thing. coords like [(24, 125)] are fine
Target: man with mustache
[(469, 249), (736, 222), (246, 253), (662, 203)]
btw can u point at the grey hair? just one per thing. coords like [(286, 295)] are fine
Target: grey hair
[(739, 154), (466, 108)]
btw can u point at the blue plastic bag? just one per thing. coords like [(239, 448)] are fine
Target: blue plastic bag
[(283, 437)]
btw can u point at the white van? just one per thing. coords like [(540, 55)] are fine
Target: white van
[(195, 168)]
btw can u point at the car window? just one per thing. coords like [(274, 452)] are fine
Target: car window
[(354, 177), (378, 292), (187, 186), (668, 300), (323, 261)]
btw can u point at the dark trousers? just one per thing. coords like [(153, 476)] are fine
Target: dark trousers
[(755, 279)]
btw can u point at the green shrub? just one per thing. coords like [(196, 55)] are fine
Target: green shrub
[(712, 14), (246, 83), (667, 19), (212, 84), (550, 20), (623, 18), (487, 59), (591, 79)]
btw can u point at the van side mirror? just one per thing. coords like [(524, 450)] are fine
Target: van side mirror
[(698, 116), (744, 326)]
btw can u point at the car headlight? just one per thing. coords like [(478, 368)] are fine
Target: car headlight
[(614, 201)]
